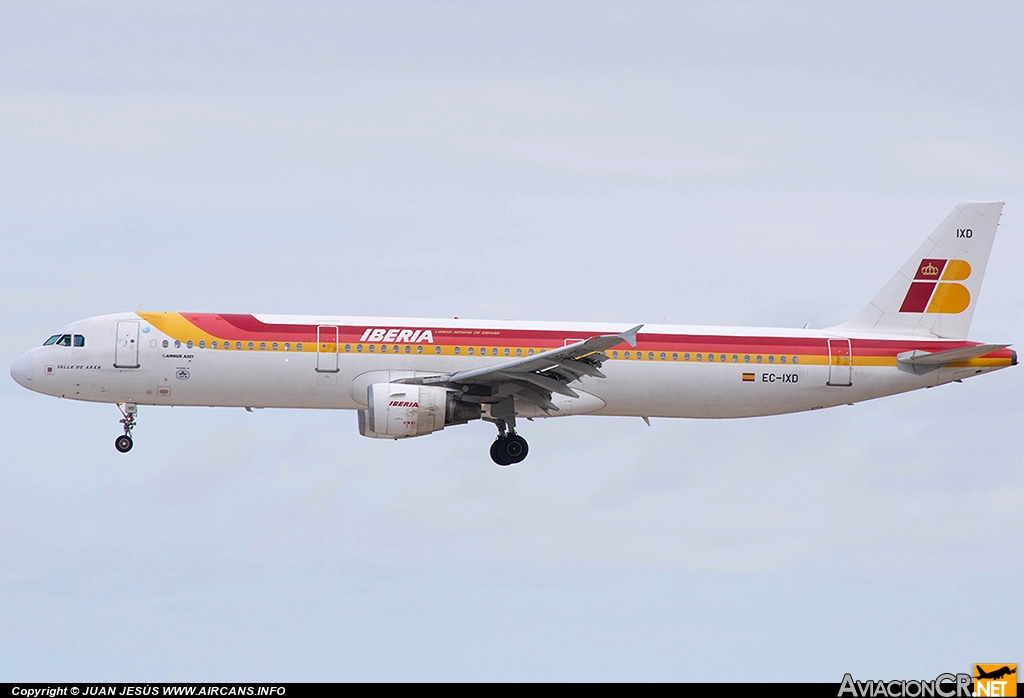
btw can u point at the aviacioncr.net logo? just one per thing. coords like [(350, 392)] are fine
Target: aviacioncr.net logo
[(942, 686)]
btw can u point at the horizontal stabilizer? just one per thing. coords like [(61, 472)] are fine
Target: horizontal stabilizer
[(923, 361)]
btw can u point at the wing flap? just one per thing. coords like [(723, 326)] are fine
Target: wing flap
[(592, 348)]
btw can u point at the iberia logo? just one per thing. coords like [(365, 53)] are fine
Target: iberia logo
[(995, 679), (932, 290)]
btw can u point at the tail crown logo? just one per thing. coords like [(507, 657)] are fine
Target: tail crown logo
[(929, 270)]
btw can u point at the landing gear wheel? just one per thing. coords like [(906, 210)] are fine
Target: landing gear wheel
[(509, 449), (497, 454), (515, 448), (123, 443)]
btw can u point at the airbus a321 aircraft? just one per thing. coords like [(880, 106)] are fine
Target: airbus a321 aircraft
[(415, 377)]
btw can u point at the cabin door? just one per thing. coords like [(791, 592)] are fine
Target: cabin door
[(327, 349), (840, 362), (126, 349)]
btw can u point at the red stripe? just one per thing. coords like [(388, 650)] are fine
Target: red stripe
[(917, 297), (246, 327)]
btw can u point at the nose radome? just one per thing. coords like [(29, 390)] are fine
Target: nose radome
[(21, 371)]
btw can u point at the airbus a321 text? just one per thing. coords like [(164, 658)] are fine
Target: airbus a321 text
[(415, 377)]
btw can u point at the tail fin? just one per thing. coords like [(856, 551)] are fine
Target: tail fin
[(936, 291)]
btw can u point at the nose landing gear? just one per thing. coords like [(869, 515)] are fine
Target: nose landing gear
[(124, 443)]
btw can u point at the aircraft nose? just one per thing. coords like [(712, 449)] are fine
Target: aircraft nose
[(21, 371)]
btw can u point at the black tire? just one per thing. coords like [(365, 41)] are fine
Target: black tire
[(498, 454), (514, 448), (123, 444)]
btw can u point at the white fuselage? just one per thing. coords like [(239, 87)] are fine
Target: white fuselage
[(751, 371)]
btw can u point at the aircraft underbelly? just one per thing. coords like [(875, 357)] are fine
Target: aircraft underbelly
[(729, 391)]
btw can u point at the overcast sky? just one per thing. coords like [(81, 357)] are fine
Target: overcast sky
[(718, 163)]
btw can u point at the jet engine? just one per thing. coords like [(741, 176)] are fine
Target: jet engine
[(398, 411)]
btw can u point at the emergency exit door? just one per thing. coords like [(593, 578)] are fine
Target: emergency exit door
[(840, 362), (126, 349), (327, 349)]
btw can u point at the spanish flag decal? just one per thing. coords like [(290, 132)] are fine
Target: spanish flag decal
[(748, 377)]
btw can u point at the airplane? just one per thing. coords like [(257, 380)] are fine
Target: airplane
[(413, 377), (994, 674)]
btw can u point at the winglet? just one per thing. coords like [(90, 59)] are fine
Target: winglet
[(629, 336)]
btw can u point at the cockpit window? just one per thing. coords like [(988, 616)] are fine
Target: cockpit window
[(64, 341), (79, 340), (51, 340)]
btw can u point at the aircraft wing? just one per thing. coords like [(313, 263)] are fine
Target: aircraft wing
[(535, 378)]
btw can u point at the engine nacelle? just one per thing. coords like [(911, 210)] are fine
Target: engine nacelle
[(399, 411)]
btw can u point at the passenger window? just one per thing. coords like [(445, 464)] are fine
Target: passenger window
[(298, 347), (202, 343), (419, 349), (530, 352), (746, 358), (251, 346), (662, 356), (274, 346), (263, 346), (213, 344), (626, 354), (698, 356), (615, 354), (177, 344), (238, 345), (51, 340), (437, 349), (758, 358), (711, 357), (519, 352), (166, 344), (506, 351), (79, 340), (782, 359), (372, 348), (359, 348), (650, 355), (494, 351), (408, 349), (796, 359), (735, 358), (722, 358), (675, 356), (348, 347), (470, 351), (288, 346), (458, 349), (686, 356), (395, 348), (771, 359)]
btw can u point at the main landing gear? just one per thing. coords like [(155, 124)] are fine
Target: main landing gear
[(509, 447), (124, 443)]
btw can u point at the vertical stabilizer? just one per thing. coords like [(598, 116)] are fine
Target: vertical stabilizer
[(936, 291)]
